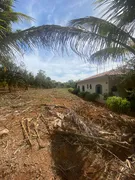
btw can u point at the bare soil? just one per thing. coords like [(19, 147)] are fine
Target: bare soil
[(30, 151)]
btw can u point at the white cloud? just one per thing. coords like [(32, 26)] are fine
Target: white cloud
[(59, 68), (78, 3), (63, 68)]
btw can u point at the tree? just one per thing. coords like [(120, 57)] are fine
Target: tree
[(91, 38), (8, 16), (122, 12), (12, 75), (31, 79), (97, 39), (40, 79)]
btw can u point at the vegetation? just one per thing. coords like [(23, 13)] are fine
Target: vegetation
[(70, 90), (89, 37), (13, 76), (92, 38), (103, 38), (108, 38), (91, 97), (85, 95), (122, 12), (106, 95), (81, 94), (118, 104), (8, 39)]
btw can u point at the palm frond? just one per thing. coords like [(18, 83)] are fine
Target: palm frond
[(122, 12), (117, 54), (7, 17), (54, 37), (14, 16), (102, 27)]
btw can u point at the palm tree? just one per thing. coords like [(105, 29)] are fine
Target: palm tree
[(92, 38), (8, 16), (122, 12), (88, 37)]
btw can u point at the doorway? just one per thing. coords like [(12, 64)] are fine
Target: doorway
[(99, 89)]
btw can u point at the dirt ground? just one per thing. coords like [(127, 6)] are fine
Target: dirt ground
[(32, 154)]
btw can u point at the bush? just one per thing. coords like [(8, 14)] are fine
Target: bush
[(70, 90), (81, 94), (76, 91), (91, 97), (118, 104), (106, 95)]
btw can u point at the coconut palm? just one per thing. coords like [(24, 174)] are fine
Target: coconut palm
[(88, 37), (92, 38), (122, 12), (8, 16)]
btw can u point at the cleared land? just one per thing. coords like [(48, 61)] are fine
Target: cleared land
[(52, 134)]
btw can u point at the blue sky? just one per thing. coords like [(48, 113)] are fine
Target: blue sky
[(58, 67)]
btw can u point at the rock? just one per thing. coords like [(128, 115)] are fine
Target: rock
[(59, 115), (111, 115), (4, 132), (57, 123)]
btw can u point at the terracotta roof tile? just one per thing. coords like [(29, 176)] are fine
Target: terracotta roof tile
[(107, 73)]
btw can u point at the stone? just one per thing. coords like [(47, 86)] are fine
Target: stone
[(4, 132)]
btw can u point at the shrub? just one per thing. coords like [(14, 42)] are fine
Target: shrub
[(91, 97), (106, 95), (81, 94), (76, 91), (118, 104), (125, 106), (70, 90)]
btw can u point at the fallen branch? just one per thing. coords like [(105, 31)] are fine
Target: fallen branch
[(43, 119), (39, 141), (26, 135), (54, 106), (92, 138)]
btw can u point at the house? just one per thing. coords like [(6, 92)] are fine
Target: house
[(101, 84)]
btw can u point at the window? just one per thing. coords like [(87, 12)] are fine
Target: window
[(83, 88), (79, 88), (98, 89), (90, 86), (87, 86)]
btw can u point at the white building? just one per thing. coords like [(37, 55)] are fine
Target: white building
[(101, 84)]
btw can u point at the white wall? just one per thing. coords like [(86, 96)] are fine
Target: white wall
[(104, 81)]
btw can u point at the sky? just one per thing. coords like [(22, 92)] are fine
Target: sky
[(60, 12)]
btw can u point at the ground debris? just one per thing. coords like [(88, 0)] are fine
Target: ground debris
[(56, 135), (92, 137), (3, 132)]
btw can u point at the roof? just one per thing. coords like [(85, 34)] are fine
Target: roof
[(107, 73)]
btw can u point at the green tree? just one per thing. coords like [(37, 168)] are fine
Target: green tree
[(92, 38), (40, 79), (31, 79), (122, 12), (12, 75)]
